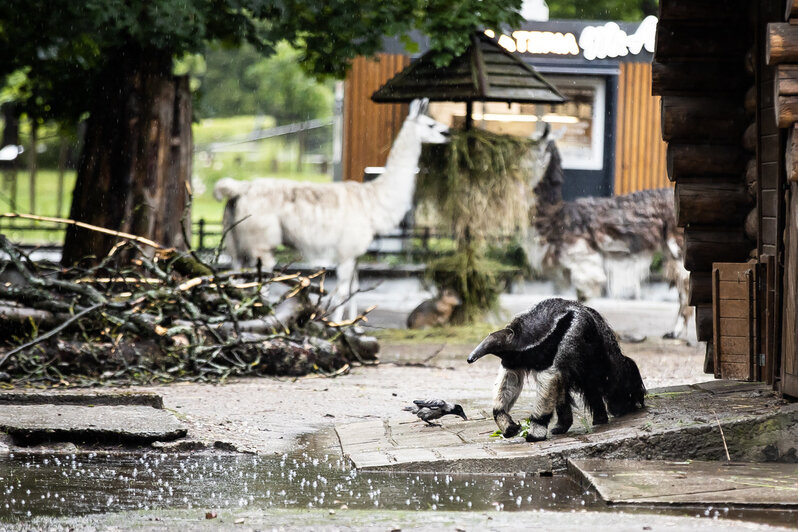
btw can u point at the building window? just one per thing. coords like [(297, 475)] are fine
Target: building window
[(578, 123)]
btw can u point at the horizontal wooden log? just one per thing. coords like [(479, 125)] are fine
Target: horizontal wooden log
[(749, 102), (676, 41), (693, 160), (781, 44), (703, 322), (749, 138), (706, 202), (751, 224), (703, 246), (691, 77), (786, 110), (704, 119), (791, 9), (701, 10), (751, 177), (791, 154), (700, 288)]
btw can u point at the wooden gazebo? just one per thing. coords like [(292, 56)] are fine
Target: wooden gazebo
[(485, 72)]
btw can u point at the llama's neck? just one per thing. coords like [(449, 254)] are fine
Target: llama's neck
[(393, 190)]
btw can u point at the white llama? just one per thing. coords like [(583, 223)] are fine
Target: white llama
[(328, 223)]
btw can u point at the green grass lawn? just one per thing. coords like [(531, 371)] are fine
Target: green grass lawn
[(275, 157)]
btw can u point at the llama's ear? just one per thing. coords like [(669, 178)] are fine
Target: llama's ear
[(415, 107), (423, 106)]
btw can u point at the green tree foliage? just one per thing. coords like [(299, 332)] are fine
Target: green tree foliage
[(241, 81), (113, 60), (64, 46), (631, 10)]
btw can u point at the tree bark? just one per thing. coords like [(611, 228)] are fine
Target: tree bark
[(136, 159)]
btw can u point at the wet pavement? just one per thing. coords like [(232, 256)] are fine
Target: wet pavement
[(295, 481), (159, 491)]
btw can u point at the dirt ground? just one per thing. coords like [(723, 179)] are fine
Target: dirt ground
[(268, 415)]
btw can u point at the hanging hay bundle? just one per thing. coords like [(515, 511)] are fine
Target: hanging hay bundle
[(478, 186), (477, 183)]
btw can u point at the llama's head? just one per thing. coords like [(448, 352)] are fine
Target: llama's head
[(427, 129)]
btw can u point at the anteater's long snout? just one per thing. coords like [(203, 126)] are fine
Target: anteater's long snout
[(480, 351), (493, 344)]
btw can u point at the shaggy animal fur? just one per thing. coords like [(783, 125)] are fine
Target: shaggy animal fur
[(603, 244), (569, 348), (330, 223)]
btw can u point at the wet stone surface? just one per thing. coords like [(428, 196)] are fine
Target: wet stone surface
[(30, 424)]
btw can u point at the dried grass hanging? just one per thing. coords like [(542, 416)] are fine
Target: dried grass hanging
[(477, 184)]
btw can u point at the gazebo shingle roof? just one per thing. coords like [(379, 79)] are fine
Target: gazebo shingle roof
[(485, 72)]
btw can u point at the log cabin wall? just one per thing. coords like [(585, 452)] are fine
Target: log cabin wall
[(369, 128), (730, 68), (639, 148), (781, 57), (699, 71)]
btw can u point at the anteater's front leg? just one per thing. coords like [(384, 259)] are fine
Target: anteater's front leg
[(549, 396), (508, 387)]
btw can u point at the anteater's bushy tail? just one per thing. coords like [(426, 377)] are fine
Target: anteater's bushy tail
[(628, 392)]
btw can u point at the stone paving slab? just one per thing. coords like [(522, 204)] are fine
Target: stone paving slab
[(690, 482), (106, 424), (679, 423)]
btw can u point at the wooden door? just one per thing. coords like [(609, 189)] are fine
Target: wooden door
[(734, 320)]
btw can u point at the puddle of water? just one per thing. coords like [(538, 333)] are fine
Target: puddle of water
[(32, 485), (71, 485)]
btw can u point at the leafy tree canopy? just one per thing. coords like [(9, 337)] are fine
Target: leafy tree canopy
[(630, 10), (62, 45), (241, 81)]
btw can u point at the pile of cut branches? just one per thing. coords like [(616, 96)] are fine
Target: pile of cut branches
[(167, 317)]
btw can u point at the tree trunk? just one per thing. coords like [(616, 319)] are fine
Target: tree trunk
[(135, 162)]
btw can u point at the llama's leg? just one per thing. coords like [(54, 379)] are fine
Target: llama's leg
[(354, 286), (509, 384), (550, 390), (343, 273)]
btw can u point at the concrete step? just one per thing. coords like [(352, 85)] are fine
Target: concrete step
[(684, 483), (87, 418), (678, 423)]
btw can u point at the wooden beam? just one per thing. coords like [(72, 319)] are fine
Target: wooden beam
[(785, 95), (686, 77), (791, 10), (703, 322), (701, 10), (691, 160), (705, 245), (781, 45), (702, 119), (711, 202), (677, 42), (700, 288)]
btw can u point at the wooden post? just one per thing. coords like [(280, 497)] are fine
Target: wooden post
[(791, 154)]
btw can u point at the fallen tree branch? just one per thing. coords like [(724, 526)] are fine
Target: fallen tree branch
[(51, 333), (84, 225)]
